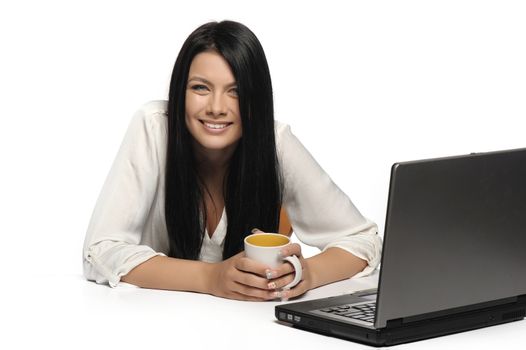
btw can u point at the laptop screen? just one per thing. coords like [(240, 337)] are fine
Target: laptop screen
[(455, 234)]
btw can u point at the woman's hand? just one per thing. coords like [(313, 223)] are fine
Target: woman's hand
[(241, 278), (284, 274)]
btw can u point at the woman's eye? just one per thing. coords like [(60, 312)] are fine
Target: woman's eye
[(199, 88), (233, 91)]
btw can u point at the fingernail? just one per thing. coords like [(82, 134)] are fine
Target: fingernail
[(277, 294), (271, 285), (282, 253), (254, 230), (284, 296), (270, 274)]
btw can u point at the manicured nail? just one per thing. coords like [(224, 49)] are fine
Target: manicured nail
[(270, 274), (277, 294), (284, 296), (282, 253), (271, 285), (254, 230)]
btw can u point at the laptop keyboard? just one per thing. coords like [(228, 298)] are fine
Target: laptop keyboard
[(363, 312)]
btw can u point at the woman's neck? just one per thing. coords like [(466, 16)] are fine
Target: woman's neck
[(213, 163)]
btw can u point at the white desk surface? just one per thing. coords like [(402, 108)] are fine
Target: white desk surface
[(68, 312)]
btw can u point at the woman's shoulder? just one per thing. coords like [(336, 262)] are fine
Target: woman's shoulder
[(279, 126), (280, 129), (154, 109), (282, 132), (152, 115)]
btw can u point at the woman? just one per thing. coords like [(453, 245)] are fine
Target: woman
[(213, 152)]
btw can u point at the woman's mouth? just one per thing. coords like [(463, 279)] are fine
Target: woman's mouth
[(215, 127)]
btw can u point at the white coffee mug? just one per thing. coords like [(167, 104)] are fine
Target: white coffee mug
[(265, 247)]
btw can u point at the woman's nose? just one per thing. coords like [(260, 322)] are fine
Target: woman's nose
[(217, 104)]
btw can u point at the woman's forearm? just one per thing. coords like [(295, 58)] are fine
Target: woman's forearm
[(333, 265), (161, 272)]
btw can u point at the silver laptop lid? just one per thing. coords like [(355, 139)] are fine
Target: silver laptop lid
[(455, 234)]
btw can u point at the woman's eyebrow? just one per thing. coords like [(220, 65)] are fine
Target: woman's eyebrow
[(203, 80)]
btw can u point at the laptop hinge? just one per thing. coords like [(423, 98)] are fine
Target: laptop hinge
[(445, 313)]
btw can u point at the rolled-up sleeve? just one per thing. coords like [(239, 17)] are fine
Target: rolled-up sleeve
[(112, 245), (320, 213)]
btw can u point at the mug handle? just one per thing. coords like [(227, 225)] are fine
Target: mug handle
[(298, 270)]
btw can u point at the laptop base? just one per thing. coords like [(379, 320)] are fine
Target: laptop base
[(398, 331)]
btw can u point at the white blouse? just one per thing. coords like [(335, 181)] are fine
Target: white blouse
[(128, 223)]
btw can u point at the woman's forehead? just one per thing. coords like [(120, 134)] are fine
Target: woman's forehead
[(211, 67)]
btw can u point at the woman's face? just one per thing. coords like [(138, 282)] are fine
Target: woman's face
[(212, 108)]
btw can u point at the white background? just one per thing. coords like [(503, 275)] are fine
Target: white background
[(363, 84)]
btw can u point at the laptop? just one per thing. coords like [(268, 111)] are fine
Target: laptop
[(453, 259)]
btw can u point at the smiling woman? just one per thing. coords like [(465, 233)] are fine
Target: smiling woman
[(212, 107), (212, 118), (232, 170), (197, 173)]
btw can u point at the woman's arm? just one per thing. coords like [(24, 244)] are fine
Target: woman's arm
[(161, 272), (333, 265), (235, 278), (114, 240)]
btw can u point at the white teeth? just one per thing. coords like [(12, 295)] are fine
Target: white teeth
[(216, 126)]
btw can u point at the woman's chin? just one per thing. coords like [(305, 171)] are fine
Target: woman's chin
[(216, 145)]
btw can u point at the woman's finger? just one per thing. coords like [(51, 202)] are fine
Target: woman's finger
[(254, 292), (285, 269), (251, 280), (291, 249), (281, 282), (248, 265), (298, 290)]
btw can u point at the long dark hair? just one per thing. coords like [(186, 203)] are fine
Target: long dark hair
[(252, 188)]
